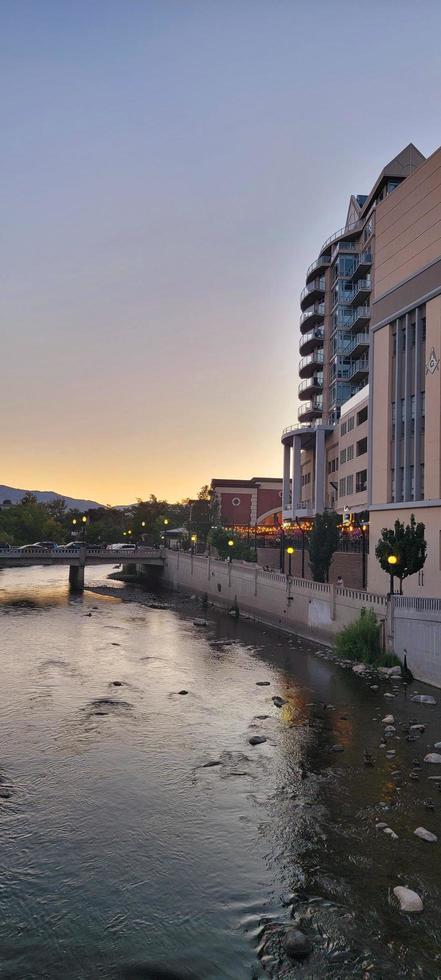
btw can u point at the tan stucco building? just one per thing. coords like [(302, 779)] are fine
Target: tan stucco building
[(405, 389)]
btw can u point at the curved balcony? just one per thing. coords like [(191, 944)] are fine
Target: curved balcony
[(310, 341), (350, 231), (311, 317), (360, 318), (310, 387), (311, 293), (320, 265), (309, 365), (311, 410)]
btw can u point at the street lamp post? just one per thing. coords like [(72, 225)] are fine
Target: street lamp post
[(84, 522), (290, 552), (230, 545), (282, 549), (193, 540), (392, 561), (363, 554), (165, 531), (303, 532)]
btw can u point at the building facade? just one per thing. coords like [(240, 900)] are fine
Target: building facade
[(248, 502), (325, 451), (405, 390)]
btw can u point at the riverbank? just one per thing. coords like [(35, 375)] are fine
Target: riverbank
[(143, 831)]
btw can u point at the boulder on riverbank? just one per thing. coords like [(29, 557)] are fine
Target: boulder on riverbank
[(426, 835), (297, 945)]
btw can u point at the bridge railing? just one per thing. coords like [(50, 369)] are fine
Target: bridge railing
[(89, 551)]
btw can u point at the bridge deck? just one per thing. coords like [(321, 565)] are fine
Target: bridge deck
[(14, 557)]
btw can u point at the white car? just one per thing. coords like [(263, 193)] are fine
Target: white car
[(121, 547)]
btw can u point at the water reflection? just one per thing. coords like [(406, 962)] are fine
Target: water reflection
[(141, 832)]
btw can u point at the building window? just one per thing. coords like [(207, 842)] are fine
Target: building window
[(351, 423), (350, 453), (392, 484), (421, 577), (349, 484), (362, 446), (343, 429), (235, 501), (412, 483), (360, 481), (342, 487), (422, 481), (362, 416), (342, 456)]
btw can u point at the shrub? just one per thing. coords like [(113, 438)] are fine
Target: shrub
[(361, 641)]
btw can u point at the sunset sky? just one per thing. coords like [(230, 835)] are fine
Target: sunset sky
[(169, 169)]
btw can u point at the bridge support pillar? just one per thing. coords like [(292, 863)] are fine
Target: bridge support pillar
[(76, 577)]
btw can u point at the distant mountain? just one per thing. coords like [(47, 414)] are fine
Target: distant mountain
[(45, 497)]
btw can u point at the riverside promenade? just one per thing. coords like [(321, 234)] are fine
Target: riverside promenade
[(410, 625)]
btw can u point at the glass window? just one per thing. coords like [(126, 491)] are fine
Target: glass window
[(362, 415), (349, 484), (343, 429), (350, 453), (350, 424), (362, 446), (361, 481), (342, 456), (342, 487)]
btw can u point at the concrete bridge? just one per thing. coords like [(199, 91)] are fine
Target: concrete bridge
[(78, 559)]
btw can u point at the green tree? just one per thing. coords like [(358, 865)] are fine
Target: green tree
[(218, 537), (323, 540), (408, 544)]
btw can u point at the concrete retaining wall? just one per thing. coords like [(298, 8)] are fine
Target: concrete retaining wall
[(411, 625), (298, 605)]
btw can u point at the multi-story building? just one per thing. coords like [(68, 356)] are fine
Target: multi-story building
[(405, 388), (323, 464)]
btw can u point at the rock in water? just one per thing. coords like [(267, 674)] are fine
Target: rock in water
[(425, 835), (257, 739), (182, 692), (262, 683), (296, 944), (408, 900), (388, 720), (279, 701), (434, 757), (200, 622), (423, 699), (336, 748)]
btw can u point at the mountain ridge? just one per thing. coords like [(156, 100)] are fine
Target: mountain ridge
[(14, 495)]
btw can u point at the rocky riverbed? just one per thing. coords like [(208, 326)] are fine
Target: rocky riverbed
[(207, 801)]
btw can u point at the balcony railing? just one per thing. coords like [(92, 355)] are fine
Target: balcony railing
[(310, 340), (309, 363), (311, 292), (363, 286), (359, 369), (358, 342), (311, 409), (347, 230), (312, 385), (314, 315), (321, 263)]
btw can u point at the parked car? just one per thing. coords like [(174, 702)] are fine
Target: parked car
[(72, 546), (4, 546), (47, 545), (121, 547)]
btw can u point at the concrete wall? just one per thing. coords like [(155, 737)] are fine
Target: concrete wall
[(311, 608), (410, 625), (408, 226)]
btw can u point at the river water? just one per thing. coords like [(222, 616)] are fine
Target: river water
[(123, 855)]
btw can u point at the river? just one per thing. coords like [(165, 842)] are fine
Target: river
[(123, 855)]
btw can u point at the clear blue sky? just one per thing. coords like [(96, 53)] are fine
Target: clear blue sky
[(168, 171)]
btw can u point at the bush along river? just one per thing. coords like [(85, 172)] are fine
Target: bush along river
[(183, 795)]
